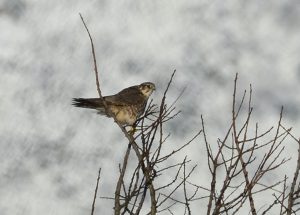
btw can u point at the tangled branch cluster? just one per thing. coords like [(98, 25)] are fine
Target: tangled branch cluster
[(237, 165)]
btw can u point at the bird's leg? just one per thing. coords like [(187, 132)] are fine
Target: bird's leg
[(132, 129)]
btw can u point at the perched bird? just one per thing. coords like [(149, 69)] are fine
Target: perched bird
[(127, 105)]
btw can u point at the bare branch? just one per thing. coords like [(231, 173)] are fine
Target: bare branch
[(96, 190)]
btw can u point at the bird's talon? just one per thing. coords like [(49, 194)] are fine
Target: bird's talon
[(132, 130)]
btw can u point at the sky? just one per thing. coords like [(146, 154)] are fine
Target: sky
[(50, 152)]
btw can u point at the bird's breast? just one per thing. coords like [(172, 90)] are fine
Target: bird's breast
[(125, 115)]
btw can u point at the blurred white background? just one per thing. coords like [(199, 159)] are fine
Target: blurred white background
[(50, 152)]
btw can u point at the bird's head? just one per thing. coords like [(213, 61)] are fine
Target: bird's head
[(147, 88)]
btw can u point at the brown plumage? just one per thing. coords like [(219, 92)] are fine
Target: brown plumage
[(127, 105)]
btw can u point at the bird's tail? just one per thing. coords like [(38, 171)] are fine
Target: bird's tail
[(93, 103)]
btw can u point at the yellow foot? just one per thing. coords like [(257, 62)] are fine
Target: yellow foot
[(132, 130)]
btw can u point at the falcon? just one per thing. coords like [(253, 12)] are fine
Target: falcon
[(127, 105)]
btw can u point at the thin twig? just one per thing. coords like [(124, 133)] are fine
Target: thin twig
[(96, 190)]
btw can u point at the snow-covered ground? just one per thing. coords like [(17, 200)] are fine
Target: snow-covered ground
[(50, 152)]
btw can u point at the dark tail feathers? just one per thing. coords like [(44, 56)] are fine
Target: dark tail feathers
[(93, 103)]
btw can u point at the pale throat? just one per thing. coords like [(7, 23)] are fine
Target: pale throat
[(147, 92)]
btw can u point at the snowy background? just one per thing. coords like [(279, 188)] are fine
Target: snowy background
[(50, 152)]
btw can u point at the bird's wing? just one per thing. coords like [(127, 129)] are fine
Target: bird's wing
[(128, 96)]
